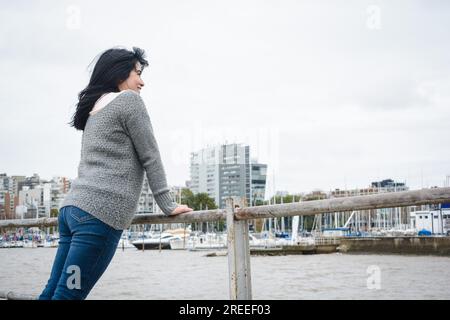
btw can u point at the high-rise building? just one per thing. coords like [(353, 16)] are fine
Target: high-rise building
[(389, 185), (147, 203), (9, 187), (4, 181), (4, 196), (37, 201), (31, 182), (259, 177), (224, 171), (5, 210), (60, 186)]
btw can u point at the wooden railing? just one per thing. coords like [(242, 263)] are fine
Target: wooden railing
[(237, 216)]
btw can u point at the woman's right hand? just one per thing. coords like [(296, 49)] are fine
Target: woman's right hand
[(182, 208)]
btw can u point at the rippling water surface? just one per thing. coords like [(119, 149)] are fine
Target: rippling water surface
[(177, 274)]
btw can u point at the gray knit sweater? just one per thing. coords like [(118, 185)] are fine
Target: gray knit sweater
[(117, 146)]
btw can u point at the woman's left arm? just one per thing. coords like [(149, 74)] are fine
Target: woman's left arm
[(139, 127)]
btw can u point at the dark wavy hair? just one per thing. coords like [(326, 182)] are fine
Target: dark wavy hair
[(112, 68)]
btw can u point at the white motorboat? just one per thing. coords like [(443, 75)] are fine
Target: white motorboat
[(155, 242), (209, 241)]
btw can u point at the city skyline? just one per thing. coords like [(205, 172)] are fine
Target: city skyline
[(268, 194)]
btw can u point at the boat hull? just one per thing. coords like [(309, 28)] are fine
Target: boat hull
[(152, 246)]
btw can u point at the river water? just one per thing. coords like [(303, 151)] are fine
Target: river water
[(180, 274)]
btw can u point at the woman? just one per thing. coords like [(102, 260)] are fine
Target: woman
[(118, 146)]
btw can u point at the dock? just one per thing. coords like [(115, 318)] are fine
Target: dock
[(295, 250), (425, 245)]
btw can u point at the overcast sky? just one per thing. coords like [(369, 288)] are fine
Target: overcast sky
[(330, 94)]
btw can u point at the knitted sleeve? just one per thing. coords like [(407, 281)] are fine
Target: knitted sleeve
[(138, 125)]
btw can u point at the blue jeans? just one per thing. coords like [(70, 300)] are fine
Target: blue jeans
[(86, 247)]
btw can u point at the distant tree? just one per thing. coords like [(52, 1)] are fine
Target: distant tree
[(199, 201), (202, 201), (187, 197), (259, 203), (286, 199), (53, 214)]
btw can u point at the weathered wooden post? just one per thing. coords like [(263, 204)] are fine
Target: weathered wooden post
[(238, 253)]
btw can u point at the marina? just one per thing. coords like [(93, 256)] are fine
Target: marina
[(402, 245), (237, 217)]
